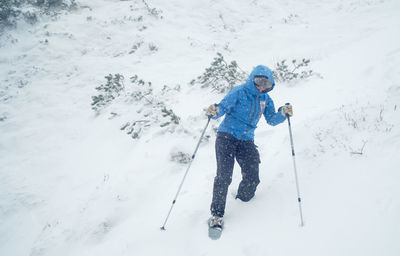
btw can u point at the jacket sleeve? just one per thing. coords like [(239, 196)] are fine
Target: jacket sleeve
[(227, 103), (273, 118)]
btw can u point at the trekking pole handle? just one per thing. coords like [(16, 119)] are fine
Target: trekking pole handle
[(287, 104)]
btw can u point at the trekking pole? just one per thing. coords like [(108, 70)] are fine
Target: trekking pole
[(295, 170), (184, 176)]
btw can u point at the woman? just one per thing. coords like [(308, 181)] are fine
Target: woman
[(243, 106)]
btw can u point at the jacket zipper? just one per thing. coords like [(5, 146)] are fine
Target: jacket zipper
[(252, 113), (255, 109), (251, 106)]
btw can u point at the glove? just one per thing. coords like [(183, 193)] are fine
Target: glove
[(212, 110), (286, 110)]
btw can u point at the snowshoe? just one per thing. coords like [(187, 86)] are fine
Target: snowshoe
[(215, 226)]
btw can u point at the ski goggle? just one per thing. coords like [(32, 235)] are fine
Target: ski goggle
[(263, 82)]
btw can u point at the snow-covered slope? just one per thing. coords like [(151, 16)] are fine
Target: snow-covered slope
[(73, 183)]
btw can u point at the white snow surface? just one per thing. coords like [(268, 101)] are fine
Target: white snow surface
[(73, 183)]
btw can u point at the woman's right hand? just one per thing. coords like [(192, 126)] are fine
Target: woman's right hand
[(212, 110)]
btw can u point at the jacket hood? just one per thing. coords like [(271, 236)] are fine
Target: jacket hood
[(260, 70)]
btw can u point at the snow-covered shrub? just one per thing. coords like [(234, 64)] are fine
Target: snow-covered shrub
[(9, 11), (180, 157), (147, 108), (283, 73), (29, 10), (141, 91), (47, 3), (151, 108), (221, 76), (153, 47), (171, 117), (108, 92), (291, 19), (367, 118), (349, 129), (152, 11), (136, 46)]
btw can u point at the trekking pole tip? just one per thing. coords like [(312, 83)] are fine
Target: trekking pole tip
[(163, 228)]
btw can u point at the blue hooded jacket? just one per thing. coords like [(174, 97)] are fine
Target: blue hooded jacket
[(244, 105)]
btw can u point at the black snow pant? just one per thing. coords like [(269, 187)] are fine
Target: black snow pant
[(227, 148)]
